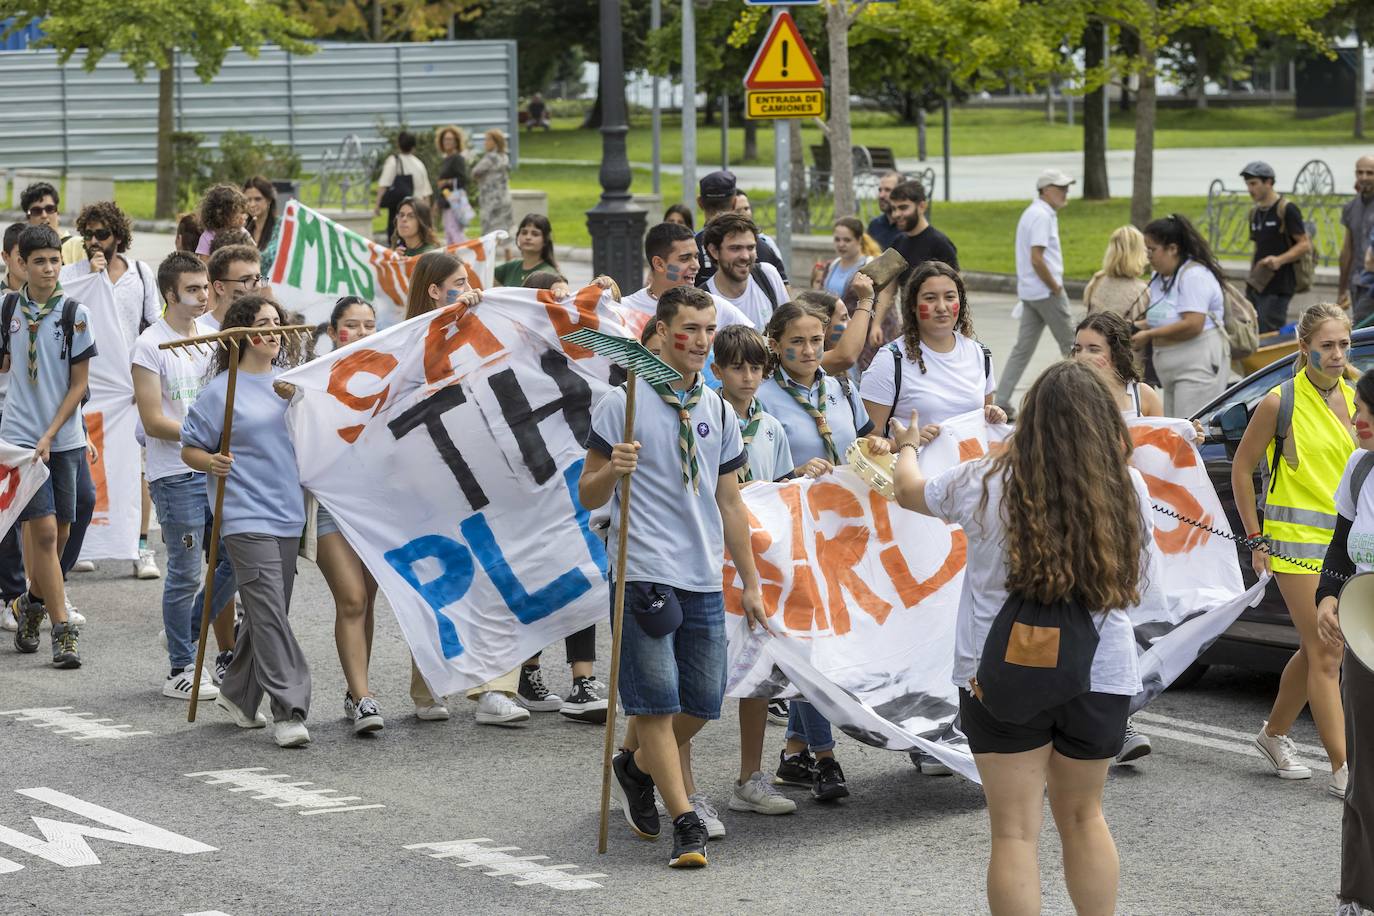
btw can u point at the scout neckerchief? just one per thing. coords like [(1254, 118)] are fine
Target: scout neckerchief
[(686, 440), (33, 316), (749, 427), (800, 395)]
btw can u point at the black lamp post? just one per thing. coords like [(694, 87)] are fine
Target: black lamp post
[(616, 224)]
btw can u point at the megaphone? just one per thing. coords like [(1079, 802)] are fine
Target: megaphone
[(1357, 617)]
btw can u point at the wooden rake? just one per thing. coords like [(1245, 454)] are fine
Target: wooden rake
[(296, 335), (637, 360)]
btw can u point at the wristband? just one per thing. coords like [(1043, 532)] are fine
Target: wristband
[(911, 445), (1254, 535)]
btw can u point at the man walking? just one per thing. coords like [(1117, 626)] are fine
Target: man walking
[(1358, 219), (40, 204), (883, 227), (716, 195), (1280, 238), (750, 285), (1039, 280)]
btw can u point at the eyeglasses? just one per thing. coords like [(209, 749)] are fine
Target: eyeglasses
[(38, 210), (100, 235), (250, 282)]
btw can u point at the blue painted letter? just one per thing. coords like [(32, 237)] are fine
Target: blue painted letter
[(452, 583), (527, 608)]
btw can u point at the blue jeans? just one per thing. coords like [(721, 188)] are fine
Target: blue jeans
[(184, 514), (805, 723), (85, 509), (681, 672), (57, 495)]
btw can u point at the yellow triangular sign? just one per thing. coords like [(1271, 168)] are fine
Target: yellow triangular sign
[(783, 60)]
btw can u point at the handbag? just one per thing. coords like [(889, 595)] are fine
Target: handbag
[(1037, 656), (462, 207), (401, 187)]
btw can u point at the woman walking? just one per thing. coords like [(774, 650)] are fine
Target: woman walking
[(853, 249), (414, 234), (534, 241), (453, 203), (1118, 286), (492, 173)]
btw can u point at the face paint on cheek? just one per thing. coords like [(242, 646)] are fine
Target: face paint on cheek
[(954, 311), (790, 355), (679, 341), (837, 332), (452, 296), (923, 311), (343, 335), (1363, 430), (673, 272)]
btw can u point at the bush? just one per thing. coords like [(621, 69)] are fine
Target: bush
[(192, 164), (241, 156)]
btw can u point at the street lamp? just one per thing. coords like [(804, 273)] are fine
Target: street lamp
[(616, 224)]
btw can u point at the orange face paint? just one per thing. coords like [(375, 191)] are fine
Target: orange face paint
[(1363, 431)]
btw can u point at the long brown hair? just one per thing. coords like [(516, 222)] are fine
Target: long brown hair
[(1072, 516), (912, 289), (433, 268), (423, 221), (782, 316), (1117, 331)]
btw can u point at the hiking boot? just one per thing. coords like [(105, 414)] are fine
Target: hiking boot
[(30, 614), (64, 654)]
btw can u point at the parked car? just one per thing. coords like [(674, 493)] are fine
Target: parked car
[(1263, 637)]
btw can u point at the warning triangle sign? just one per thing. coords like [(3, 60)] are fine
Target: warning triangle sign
[(783, 60)]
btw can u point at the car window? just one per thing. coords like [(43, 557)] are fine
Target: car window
[(1362, 357)]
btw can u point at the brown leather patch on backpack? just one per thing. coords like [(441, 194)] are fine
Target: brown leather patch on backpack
[(1033, 647)]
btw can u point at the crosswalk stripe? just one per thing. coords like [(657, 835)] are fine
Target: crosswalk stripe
[(1245, 738)]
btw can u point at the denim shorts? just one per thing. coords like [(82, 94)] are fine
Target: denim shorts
[(324, 523), (57, 495), (681, 672)]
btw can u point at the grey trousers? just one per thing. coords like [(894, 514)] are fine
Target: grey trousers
[(267, 658), (1037, 314)]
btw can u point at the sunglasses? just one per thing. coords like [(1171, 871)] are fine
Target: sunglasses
[(100, 235), (41, 209)]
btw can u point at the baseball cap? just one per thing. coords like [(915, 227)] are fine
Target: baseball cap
[(1053, 177), (1257, 169), (718, 185)]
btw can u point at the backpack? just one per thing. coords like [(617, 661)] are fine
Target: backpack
[(761, 279), (897, 378), (1305, 267), (1285, 446), (1037, 656), (1239, 321), (67, 321)]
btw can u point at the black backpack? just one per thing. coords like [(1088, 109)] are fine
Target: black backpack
[(1036, 657), (68, 322), (897, 378)]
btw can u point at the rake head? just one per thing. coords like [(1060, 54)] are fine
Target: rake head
[(294, 337)]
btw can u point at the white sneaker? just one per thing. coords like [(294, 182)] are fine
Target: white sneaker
[(436, 713), (715, 830), (1336, 787), (290, 733), (1281, 754), (241, 719), (83, 566), (179, 685), (9, 617), (162, 639), (759, 796), (145, 567), (73, 615), (498, 709), (367, 717)]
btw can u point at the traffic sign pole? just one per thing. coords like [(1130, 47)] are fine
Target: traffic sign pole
[(782, 176), (689, 106)]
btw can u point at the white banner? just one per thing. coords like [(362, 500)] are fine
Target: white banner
[(20, 478), (448, 449)]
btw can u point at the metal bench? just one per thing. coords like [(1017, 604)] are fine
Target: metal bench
[(1314, 191)]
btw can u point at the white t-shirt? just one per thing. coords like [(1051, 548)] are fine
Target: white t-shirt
[(181, 374), (954, 383), (726, 314), (954, 496), (1360, 544), (410, 166), (1038, 227), (136, 298), (1192, 288), (754, 302)]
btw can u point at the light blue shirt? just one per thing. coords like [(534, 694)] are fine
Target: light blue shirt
[(31, 405), (263, 492), (770, 457), (847, 421), (838, 280)]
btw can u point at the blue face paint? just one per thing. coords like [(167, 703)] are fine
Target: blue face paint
[(1315, 358), (452, 296), (790, 355), (837, 332), (672, 272)]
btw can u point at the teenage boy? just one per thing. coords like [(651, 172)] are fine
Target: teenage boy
[(235, 272), (47, 346), (717, 192), (1280, 238), (671, 250), (673, 652), (166, 383), (753, 287), (11, 560), (40, 204)]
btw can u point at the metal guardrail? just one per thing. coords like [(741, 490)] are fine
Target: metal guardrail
[(1227, 219), (343, 176)]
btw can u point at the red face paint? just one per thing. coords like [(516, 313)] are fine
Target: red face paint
[(679, 341), (923, 311), (954, 311), (1363, 431), (343, 335)]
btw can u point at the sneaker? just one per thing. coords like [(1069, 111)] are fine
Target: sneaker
[(368, 718), (1281, 754), (179, 686), (161, 639), (715, 829), (350, 707), (534, 694), (759, 796), (777, 712), (927, 765), (437, 712), (1336, 787), (290, 733), (222, 663), (1136, 745), (498, 709), (689, 842), (64, 637), (586, 702), (829, 784), (73, 615), (798, 770), (241, 718), (31, 616), (1349, 908), (9, 617), (145, 567), (636, 799), (83, 566)]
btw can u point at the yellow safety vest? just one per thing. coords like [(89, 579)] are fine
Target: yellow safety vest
[(1300, 513)]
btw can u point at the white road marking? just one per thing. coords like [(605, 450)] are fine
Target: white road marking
[(1246, 738), (78, 725), (269, 787), (499, 864), (207, 913)]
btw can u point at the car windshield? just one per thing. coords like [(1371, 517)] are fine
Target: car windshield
[(1252, 390)]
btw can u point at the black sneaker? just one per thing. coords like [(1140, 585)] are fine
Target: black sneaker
[(586, 702), (534, 694), (829, 784), (636, 799), (1134, 746), (31, 614), (222, 663), (777, 712), (799, 770), (689, 842), (64, 654)]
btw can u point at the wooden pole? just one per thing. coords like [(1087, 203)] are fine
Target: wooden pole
[(618, 616), (233, 344)]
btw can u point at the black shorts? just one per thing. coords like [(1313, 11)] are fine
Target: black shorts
[(1088, 727)]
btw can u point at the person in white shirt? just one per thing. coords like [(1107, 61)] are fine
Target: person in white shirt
[(1039, 279), (753, 287), (671, 250), (403, 175), (235, 272)]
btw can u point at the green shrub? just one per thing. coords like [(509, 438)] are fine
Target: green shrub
[(242, 155)]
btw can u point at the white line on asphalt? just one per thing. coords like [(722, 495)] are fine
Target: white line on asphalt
[(1246, 738), (270, 788), (79, 726), (477, 853)]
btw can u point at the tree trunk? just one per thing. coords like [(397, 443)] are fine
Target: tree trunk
[(921, 133), (837, 24), (1049, 102), (801, 201), (593, 118), (376, 20), (1200, 57), (1361, 90), (1094, 120), (709, 119), (1142, 186), (166, 203), (751, 140)]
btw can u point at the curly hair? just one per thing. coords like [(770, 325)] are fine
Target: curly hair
[(460, 138), (219, 206), (241, 314), (1072, 516), (911, 324), (1117, 331), (111, 217)]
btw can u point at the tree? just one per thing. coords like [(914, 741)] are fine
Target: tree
[(146, 33), (840, 15), (1357, 17), (382, 20), (1095, 47)]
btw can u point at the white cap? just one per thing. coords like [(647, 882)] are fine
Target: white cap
[(1052, 177)]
